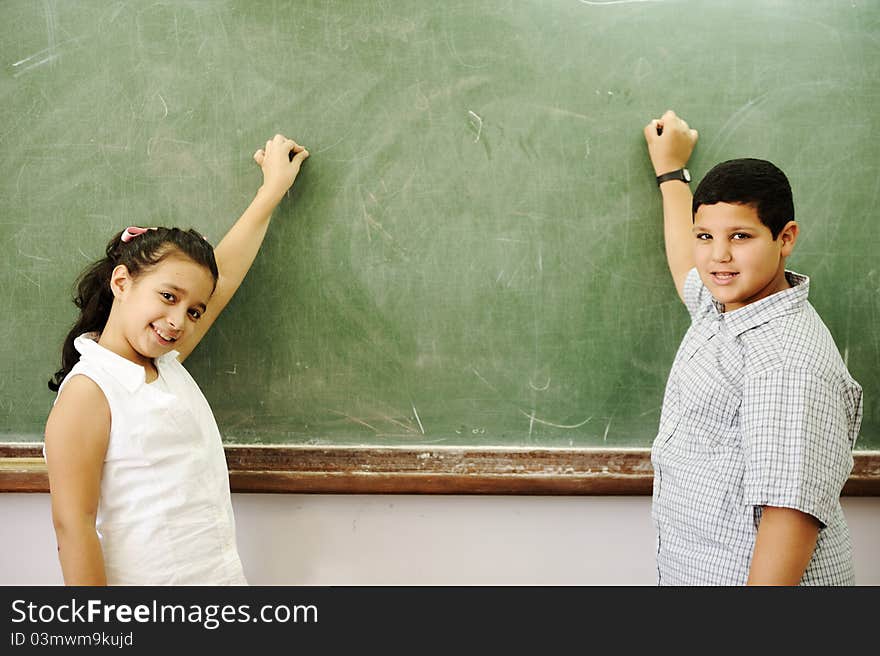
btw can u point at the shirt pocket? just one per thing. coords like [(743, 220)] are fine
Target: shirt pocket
[(708, 402)]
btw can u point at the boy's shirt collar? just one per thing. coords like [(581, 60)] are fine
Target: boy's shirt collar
[(772, 307), (130, 375)]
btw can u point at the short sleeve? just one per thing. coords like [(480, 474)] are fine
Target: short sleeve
[(797, 443), (696, 294)]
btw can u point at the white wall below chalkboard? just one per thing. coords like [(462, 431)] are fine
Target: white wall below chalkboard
[(293, 539)]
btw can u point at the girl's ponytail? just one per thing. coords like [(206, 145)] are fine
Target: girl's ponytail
[(94, 297)]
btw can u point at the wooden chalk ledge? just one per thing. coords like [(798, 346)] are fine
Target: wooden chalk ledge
[(413, 470)]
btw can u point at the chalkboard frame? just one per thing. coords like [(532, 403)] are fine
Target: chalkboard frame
[(429, 470)]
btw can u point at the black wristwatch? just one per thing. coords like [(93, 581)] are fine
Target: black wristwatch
[(679, 174)]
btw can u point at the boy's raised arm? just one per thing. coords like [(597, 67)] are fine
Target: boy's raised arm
[(669, 151)]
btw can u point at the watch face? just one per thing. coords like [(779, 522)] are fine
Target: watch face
[(678, 174)]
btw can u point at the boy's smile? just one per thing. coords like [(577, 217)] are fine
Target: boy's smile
[(736, 256)]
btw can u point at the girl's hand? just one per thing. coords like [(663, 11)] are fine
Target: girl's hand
[(280, 160), (672, 147)]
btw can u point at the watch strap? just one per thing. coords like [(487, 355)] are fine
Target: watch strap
[(678, 174)]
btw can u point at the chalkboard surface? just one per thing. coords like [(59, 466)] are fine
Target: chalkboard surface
[(473, 253)]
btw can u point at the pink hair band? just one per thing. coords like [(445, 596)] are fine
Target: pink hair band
[(131, 232)]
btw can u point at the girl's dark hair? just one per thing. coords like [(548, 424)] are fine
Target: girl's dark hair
[(748, 181), (93, 295)]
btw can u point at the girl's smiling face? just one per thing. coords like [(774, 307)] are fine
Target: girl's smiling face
[(736, 256), (155, 311)]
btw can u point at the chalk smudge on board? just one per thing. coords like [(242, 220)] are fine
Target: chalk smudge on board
[(477, 124), (24, 70), (356, 420), (416, 413), (34, 257), (539, 389), (550, 423), (600, 3)]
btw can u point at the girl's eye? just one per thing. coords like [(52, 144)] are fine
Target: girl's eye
[(704, 236), (739, 236), (168, 296), (195, 314)]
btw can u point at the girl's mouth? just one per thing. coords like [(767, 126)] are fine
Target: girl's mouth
[(164, 339)]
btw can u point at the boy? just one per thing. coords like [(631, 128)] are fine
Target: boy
[(760, 413)]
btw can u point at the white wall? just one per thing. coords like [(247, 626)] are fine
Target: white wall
[(295, 539)]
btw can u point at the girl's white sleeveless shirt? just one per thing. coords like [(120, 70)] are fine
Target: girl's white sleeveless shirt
[(165, 511)]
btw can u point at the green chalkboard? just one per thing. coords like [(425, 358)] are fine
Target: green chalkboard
[(473, 253)]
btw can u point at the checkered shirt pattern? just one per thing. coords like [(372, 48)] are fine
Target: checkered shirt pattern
[(759, 409)]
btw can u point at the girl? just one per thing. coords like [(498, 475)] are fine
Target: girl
[(137, 474)]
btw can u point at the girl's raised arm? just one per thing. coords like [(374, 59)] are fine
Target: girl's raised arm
[(280, 161)]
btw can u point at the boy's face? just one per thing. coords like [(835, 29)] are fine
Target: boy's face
[(736, 256)]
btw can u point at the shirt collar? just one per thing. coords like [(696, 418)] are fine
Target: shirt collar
[(772, 307), (130, 375)]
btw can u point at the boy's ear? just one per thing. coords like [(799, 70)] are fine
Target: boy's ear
[(788, 236), (120, 280)]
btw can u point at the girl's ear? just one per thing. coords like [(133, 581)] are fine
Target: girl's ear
[(120, 280)]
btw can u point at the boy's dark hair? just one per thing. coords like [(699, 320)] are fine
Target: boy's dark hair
[(93, 295), (753, 182)]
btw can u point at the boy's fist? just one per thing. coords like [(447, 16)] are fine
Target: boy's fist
[(670, 142)]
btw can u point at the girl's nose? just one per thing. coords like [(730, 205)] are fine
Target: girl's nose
[(176, 321)]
